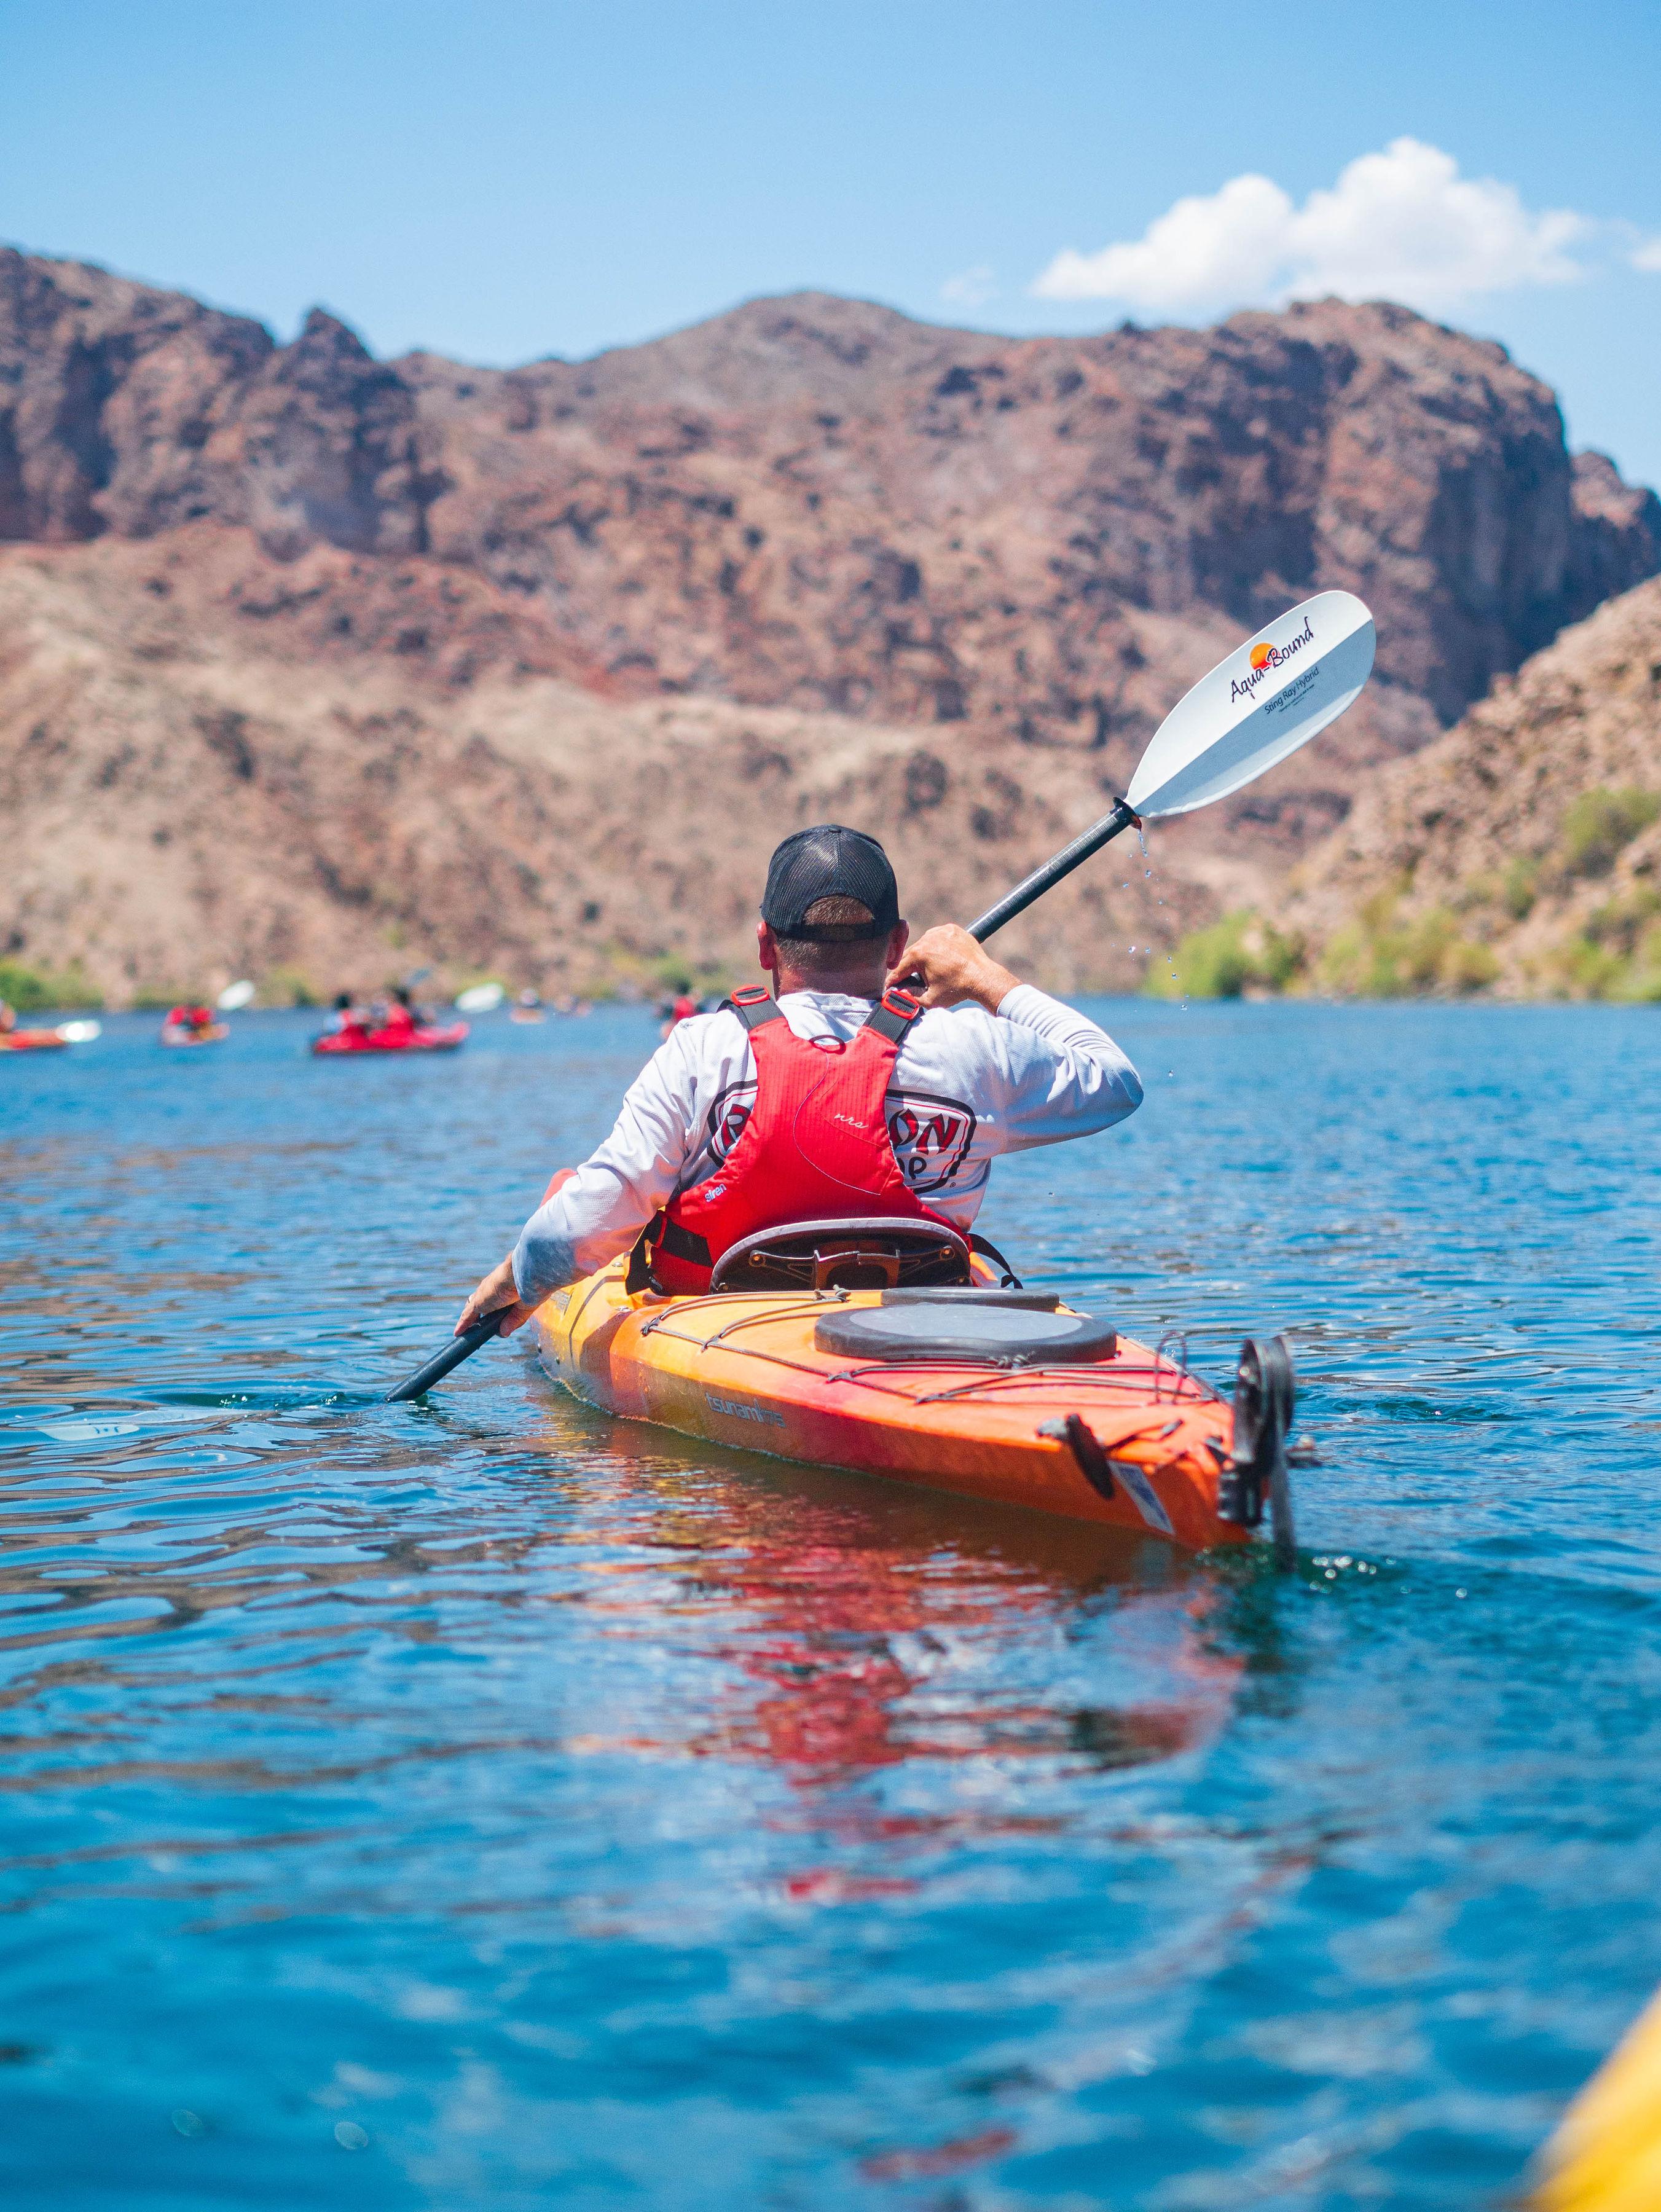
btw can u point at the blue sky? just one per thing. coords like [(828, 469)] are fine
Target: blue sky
[(500, 180)]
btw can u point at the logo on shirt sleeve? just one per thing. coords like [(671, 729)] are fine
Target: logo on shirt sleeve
[(728, 1119), (931, 1137)]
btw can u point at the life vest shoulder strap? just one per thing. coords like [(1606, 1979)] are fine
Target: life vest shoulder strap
[(754, 1005), (893, 1015)]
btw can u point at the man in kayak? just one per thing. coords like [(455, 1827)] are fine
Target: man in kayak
[(836, 1094)]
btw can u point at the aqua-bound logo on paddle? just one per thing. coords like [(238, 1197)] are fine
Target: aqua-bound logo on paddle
[(1267, 658)]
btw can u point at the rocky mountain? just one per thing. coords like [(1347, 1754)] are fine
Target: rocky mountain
[(1002, 559), (207, 775), (1521, 852)]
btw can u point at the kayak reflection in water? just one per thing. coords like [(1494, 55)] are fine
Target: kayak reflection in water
[(876, 1077), (856, 1638)]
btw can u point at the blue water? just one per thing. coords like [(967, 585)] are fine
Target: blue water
[(482, 1804)]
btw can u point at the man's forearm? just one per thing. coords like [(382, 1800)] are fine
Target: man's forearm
[(596, 1214)]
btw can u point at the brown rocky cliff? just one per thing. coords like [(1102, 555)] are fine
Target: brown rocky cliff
[(204, 775), (1005, 558), (818, 503)]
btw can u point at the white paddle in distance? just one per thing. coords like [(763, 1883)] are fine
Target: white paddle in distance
[(1272, 694)]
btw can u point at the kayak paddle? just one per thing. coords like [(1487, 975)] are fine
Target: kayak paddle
[(1272, 694), (457, 1349)]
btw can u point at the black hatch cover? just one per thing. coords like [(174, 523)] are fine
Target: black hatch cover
[(943, 1328)]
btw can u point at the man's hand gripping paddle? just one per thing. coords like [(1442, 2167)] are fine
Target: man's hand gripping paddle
[(1272, 694)]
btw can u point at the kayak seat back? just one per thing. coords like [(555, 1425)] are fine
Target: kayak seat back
[(876, 1253)]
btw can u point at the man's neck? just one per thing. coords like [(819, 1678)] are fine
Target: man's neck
[(866, 984)]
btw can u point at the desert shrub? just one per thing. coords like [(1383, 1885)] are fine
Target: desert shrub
[(1468, 965), (1621, 923), (1242, 953), (1478, 891), (1520, 887), (1380, 956), (1601, 823), (700, 979), (1642, 980), (1357, 964), (289, 987), (1582, 970), (1615, 954), (31, 990)]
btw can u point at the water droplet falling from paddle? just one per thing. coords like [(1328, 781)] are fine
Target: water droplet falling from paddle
[(1170, 953)]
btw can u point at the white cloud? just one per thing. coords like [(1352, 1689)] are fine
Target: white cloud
[(1399, 225), (1646, 255), (971, 288)]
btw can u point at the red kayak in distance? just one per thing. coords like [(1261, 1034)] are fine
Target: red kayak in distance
[(450, 1038)]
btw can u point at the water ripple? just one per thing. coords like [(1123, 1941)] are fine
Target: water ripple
[(486, 1804)]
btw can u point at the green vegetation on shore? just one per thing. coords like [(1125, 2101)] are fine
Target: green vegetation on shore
[(36, 990), (1389, 949), (1382, 955), (1378, 956), (1238, 957), (1615, 953)]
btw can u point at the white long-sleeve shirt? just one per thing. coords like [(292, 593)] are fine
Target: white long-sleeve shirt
[(967, 1085)]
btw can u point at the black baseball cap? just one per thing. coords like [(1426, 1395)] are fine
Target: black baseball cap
[(829, 862)]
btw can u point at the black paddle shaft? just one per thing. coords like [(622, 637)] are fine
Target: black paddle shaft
[(1042, 879), (457, 1349)]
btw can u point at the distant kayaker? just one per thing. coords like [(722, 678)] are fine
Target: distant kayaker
[(680, 1008), (400, 1013), (8, 1020), (834, 1095), (347, 1013)]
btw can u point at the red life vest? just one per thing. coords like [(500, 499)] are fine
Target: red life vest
[(815, 1148)]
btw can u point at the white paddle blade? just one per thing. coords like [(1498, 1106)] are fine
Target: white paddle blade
[(234, 996), (480, 997), (1276, 693), (80, 1032)]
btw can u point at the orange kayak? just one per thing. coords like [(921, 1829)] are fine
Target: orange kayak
[(32, 1041), (999, 1394)]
